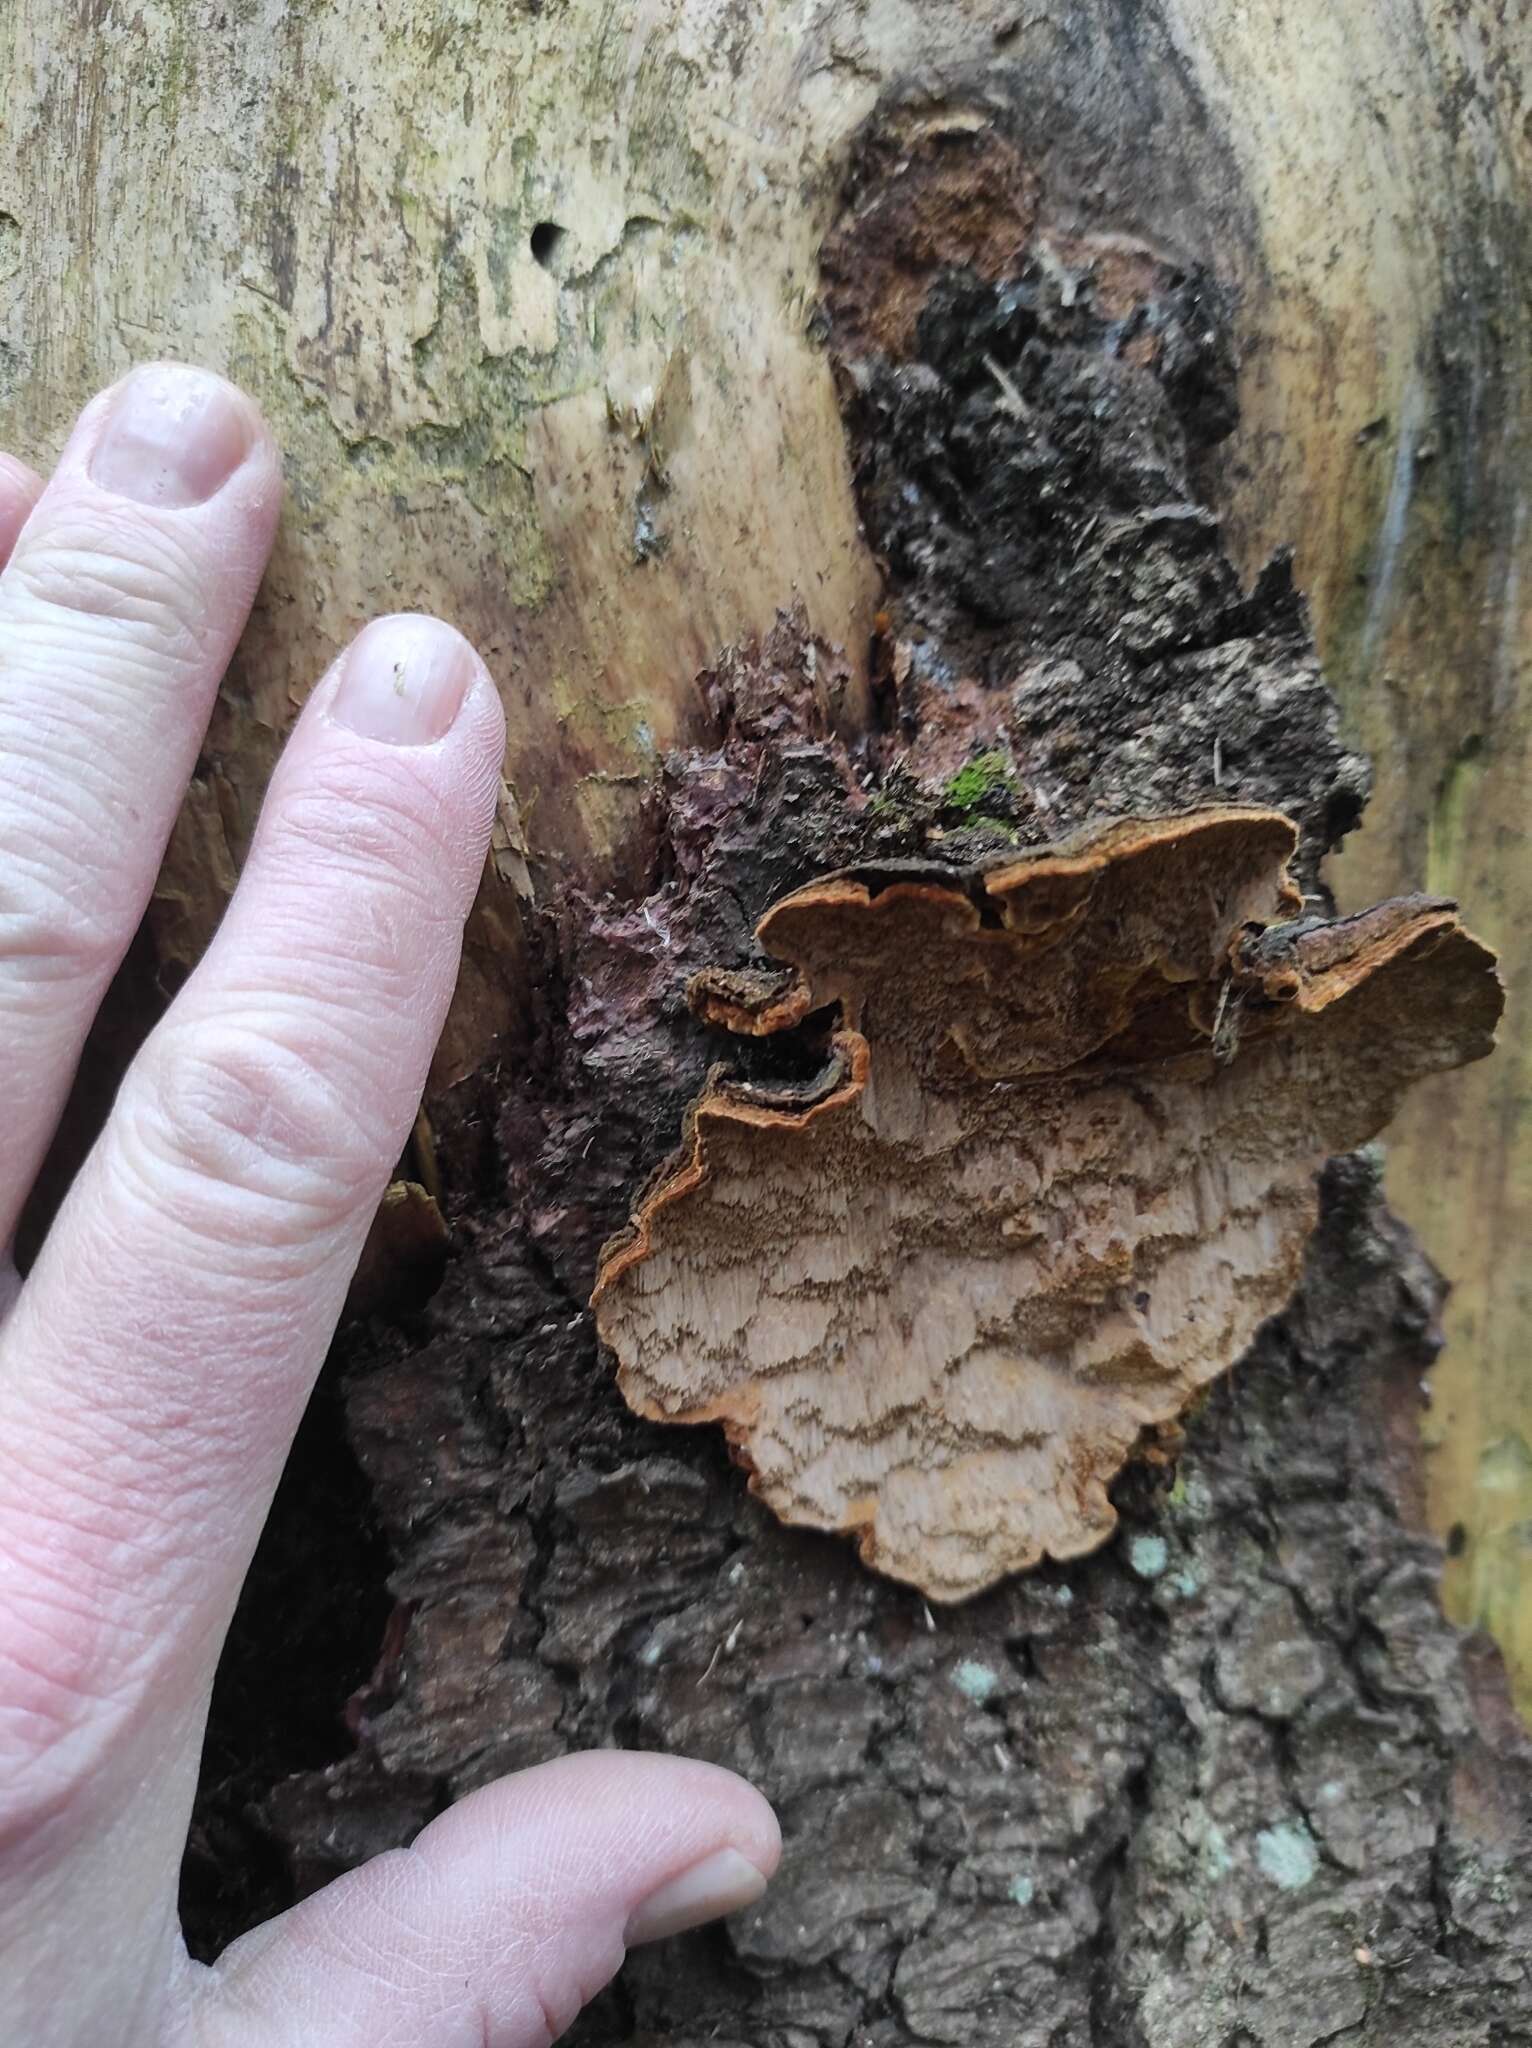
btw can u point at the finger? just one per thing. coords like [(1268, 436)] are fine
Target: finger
[(20, 489), (505, 1917), (119, 609), (155, 1366)]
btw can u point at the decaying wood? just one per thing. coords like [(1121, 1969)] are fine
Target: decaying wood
[(529, 292), (532, 296), (1231, 1778), (1060, 1166)]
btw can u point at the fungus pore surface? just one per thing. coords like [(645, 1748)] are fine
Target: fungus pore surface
[(1056, 1165)]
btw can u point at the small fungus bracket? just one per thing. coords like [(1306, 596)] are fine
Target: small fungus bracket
[(1050, 1166)]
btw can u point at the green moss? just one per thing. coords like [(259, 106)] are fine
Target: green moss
[(1190, 1496), (976, 785)]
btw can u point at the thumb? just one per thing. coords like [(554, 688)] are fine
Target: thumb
[(505, 1915)]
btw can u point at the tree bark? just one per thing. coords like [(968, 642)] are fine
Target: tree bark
[(658, 346)]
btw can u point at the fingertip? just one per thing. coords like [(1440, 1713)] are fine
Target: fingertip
[(20, 489), (412, 686), (724, 1882), (19, 482), (749, 1822), (722, 1879), (647, 1820), (515, 1906), (177, 437), (767, 1837), (405, 680)]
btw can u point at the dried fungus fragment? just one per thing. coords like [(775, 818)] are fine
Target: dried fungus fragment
[(1056, 1168), (404, 1256)]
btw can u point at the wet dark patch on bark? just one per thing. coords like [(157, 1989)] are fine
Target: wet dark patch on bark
[(1231, 1780), (305, 1634)]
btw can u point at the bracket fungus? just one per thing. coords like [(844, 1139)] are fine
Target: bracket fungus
[(1055, 1167)]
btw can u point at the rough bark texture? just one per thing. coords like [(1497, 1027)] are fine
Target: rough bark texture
[(1231, 1781), (530, 294), (527, 291)]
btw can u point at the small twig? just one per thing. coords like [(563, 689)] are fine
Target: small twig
[(1011, 400), (1226, 1024), (723, 1648)]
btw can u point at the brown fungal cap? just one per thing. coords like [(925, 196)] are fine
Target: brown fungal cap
[(1058, 1167)]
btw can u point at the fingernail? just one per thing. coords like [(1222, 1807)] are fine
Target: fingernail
[(173, 437), (403, 681), (719, 1884)]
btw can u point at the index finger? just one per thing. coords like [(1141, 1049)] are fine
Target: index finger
[(155, 1367)]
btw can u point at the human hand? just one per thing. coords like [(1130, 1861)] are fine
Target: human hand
[(155, 1363)]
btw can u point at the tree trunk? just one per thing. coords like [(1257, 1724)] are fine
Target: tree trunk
[(818, 416)]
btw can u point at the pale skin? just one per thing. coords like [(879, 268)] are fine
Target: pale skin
[(156, 1359)]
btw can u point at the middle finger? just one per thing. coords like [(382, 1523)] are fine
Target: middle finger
[(119, 609)]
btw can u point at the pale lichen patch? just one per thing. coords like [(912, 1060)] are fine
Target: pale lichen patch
[(975, 1681), (1287, 1855)]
